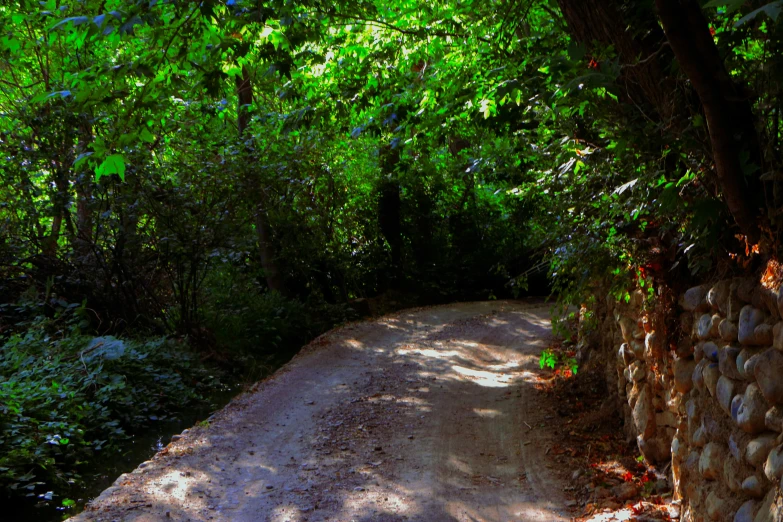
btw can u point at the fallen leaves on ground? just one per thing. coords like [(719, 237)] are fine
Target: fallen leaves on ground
[(609, 480)]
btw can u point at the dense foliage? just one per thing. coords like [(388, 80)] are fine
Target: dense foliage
[(243, 174), (72, 398)]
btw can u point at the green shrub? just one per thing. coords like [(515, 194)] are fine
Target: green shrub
[(562, 362), (67, 400), (250, 322)]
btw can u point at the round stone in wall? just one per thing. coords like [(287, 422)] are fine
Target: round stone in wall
[(774, 419), (749, 319), (746, 512), (743, 357), (769, 375), (711, 376), (753, 410), (716, 506), (711, 461), (694, 298), (710, 351), (727, 359), (728, 330), (683, 374), (773, 467), (755, 486), (718, 295), (704, 326), (758, 449), (725, 391)]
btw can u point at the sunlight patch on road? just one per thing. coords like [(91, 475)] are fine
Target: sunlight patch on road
[(176, 484), (459, 465), (462, 510), (466, 344), (622, 514), (497, 322), (250, 464), (373, 502), (528, 376), (483, 378), (414, 401), (487, 413), (536, 321), (510, 365), (429, 352), (397, 324), (289, 513)]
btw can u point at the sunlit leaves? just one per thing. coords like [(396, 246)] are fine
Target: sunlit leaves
[(113, 164), (146, 136), (274, 36), (772, 10), (729, 5)]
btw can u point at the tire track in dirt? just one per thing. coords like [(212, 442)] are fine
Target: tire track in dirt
[(427, 414)]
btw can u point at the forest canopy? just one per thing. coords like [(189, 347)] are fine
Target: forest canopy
[(219, 181)]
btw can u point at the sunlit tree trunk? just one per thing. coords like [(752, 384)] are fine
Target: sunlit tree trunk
[(266, 251)]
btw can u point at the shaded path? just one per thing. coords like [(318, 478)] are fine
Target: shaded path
[(423, 415)]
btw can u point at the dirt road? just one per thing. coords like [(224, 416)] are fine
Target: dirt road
[(425, 415)]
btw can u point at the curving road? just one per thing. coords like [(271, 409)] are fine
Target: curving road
[(423, 415)]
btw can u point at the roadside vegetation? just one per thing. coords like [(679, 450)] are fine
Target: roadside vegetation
[(190, 191)]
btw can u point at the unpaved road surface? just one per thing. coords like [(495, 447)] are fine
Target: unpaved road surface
[(425, 415)]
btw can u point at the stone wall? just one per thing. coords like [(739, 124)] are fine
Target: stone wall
[(705, 394)]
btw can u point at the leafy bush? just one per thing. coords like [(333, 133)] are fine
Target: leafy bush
[(67, 399), (561, 362), (250, 322)]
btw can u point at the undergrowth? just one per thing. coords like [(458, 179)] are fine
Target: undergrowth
[(67, 399), (559, 360)]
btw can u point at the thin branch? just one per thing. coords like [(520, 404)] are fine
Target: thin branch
[(17, 86), (653, 55), (418, 32)]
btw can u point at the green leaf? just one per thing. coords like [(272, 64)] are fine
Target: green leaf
[(10, 44), (576, 52), (114, 164), (772, 10), (77, 20), (146, 136), (731, 5)]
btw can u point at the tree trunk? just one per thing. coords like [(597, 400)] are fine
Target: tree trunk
[(734, 140), (266, 251), (389, 208), (60, 204), (84, 186), (601, 24), (735, 145), (50, 245)]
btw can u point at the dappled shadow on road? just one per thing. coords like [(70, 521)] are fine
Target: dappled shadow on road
[(425, 415)]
